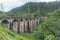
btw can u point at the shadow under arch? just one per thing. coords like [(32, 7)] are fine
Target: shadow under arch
[(5, 23), (21, 19)]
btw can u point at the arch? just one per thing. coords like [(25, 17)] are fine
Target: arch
[(5, 24), (15, 20), (21, 19), (26, 19), (5, 21)]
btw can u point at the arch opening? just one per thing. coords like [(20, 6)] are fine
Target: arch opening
[(21, 19), (5, 24), (5, 21)]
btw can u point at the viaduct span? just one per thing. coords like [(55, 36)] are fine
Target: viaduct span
[(21, 25)]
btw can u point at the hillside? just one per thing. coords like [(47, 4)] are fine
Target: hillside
[(34, 7), (49, 29)]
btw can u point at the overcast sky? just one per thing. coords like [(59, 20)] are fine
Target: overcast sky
[(10, 4)]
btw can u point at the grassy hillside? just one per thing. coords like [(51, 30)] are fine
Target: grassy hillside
[(49, 29)]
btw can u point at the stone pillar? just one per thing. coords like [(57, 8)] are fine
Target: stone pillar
[(30, 26), (38, 20), (26, 25), (15, 26), (33, 22), (21, 28)]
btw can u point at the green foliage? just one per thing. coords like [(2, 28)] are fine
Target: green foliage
[(43, 7), (6, 34), (49, 29), (51, 26), (50, 37), (4, 14)]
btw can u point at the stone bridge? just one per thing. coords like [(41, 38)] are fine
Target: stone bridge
[(21, 25)]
